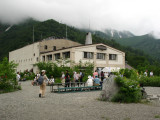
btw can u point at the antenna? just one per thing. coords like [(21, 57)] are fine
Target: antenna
[(33, 34), (66, 31), (89, 24)]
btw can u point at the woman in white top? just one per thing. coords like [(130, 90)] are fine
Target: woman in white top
[(151, 74), (63, 79)]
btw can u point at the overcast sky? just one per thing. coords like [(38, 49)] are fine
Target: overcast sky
[(138, 16)]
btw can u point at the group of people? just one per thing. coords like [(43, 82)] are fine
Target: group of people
[(97, 79), (66, 78), (48, 81), (150, 74)]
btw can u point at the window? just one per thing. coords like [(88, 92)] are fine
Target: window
[(37, 59), (88, 55), (57, 56), (34, 54), (43, 58), (54, 47), (45, 47), (112, 56), (66, 55), (49, 57), (101, 56)]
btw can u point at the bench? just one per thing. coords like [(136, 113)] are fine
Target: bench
[(76, 89), (79, 89), (61, 85)]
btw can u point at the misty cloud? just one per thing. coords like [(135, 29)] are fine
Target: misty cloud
[(137, 16)]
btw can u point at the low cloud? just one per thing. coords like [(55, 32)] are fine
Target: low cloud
[(138, 16)]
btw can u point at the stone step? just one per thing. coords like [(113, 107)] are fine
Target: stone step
[(154, 98), (149, 95)]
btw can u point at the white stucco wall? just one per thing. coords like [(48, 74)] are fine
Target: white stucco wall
[(119, 62), (25, 57)]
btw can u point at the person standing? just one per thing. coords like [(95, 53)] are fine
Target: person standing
[(102, 76), (75, 78), (63, 79), (151, 74), (43, 85), (18, 77), (95, 74), (81, 75), (145, 73), (67, 79)]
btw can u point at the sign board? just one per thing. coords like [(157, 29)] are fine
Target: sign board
[(101, 47)]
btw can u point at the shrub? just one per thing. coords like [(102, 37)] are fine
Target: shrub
[(57, 80), (52, 69), (129, 90), (150, 81), (8, 81), (27, 75)]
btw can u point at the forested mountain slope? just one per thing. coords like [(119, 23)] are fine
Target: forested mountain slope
[(16, 36)]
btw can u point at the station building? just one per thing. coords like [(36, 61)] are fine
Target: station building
[(54, 50)]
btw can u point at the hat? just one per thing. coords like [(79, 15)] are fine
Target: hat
[(43, 71), (89, 77)]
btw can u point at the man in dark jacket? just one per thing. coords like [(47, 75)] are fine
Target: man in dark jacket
[(67, 79)]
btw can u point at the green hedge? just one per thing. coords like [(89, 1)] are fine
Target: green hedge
[(129, 90), (8, 87), (150, 81)]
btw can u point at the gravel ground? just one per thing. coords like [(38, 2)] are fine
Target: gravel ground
[(26, 105)]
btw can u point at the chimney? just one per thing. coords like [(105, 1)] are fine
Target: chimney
[(88, 39)]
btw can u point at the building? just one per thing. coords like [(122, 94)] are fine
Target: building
[(29, 55), (61, 49)]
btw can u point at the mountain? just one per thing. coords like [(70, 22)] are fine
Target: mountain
[(111, 33), (16, 36), (147, 43)]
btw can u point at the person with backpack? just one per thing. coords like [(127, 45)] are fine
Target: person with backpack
[(81, 76), (41, 81)]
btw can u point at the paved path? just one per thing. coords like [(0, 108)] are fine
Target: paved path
[(26, 105)]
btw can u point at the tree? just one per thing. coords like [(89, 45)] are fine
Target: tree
[(7, 74)]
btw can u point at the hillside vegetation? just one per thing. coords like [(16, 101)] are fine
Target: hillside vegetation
[(147, 43), (20, 35)]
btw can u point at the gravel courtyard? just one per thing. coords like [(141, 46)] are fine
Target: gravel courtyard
[(26, 105)]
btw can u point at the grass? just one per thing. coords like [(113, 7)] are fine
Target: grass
[(126, 119), (157, 116), (145, 101), (105, 118)]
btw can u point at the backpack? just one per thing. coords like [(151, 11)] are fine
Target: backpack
[(82, 74), (40, 80)]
